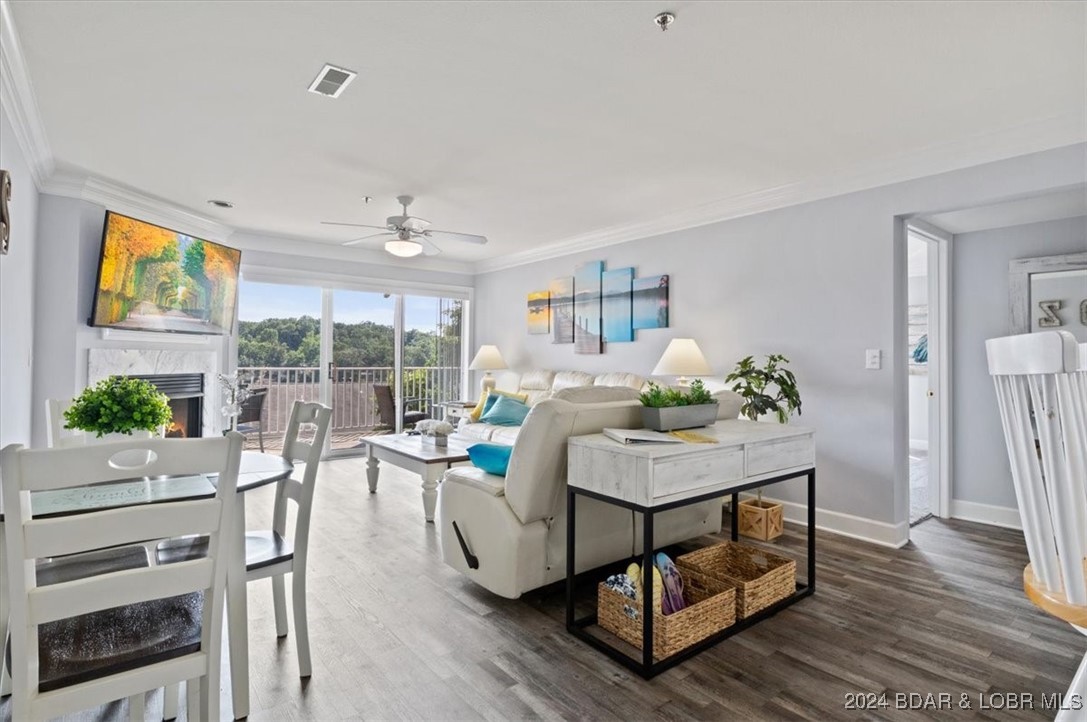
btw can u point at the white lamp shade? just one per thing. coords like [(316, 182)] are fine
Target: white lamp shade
[(682, 358), (488, 359)]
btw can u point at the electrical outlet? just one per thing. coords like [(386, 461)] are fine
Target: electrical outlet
[(872, 358)]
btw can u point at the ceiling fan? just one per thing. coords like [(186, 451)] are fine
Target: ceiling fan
[(408, 236)]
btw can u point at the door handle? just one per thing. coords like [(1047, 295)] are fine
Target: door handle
[(331, 370)]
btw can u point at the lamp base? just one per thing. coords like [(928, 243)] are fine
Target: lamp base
[(487, 383)]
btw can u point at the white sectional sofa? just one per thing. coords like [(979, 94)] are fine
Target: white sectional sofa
[(514, 527)]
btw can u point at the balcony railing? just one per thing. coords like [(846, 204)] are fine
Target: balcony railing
[(353, 403)]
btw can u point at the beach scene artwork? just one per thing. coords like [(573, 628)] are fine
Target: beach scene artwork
[(617, 308), (650, 298), (588, 338), (539, 312), (561, 292)]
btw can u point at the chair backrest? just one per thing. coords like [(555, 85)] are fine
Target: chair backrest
[(253, 406), (25, 471), (55, 433), (1041, 388), (308, 451), (386, 408)]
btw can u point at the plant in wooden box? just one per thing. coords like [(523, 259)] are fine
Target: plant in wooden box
[(665, 409), (759, 519), (119, 405)]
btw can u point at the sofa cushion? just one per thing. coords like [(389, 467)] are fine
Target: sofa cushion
[(504, 434), (492, 458), (505, 412), (490, 396), (621, 378), (596, 394), (537, 380), (566, 379), (476, 478)]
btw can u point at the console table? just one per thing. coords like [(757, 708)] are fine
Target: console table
[(652, 478)]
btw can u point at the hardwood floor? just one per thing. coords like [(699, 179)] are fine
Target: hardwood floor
[(396, 634)]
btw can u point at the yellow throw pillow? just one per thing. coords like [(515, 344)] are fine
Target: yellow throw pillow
[(478, 410)]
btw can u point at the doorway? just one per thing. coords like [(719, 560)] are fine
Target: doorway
[(926, 367)]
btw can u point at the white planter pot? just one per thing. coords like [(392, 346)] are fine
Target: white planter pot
[(134, 459)]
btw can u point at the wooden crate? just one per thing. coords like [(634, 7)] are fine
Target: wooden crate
[(763, 520)]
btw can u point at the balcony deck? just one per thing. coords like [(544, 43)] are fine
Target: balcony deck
[(338, 439)]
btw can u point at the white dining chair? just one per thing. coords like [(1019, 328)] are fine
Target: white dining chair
[(272, 553), (1041, 388), (55, 434), (171, 615)]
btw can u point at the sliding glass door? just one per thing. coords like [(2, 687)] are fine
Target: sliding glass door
[(376, 358)]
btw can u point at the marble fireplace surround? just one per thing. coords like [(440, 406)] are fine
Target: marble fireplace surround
[(105, 362)]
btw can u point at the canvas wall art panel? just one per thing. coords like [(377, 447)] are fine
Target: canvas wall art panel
[(651, 302), (561, 292), (617, 305), (539, 312), (588, 336)]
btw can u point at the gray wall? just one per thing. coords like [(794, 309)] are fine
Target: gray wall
[(17, 294), (979, 310), (817, 282)]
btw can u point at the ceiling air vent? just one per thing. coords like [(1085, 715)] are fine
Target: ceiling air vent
[(331, 81)]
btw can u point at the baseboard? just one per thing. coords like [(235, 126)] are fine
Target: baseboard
[(1004, 516), (848, 525)]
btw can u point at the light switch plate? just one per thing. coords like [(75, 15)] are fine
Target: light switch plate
[(872, 358)]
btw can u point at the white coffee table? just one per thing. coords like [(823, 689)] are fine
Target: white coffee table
[(417, 455)]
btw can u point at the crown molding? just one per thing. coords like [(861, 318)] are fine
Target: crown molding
[(1043, 134), (126, 200), (17, 99)]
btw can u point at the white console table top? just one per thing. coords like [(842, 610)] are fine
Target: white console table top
[(653, 474)]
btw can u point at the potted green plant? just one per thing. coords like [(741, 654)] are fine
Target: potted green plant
[(766, 390), (119, 405), (668, 408), (756, 386)]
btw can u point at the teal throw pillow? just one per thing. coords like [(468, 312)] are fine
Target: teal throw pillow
[(492, 458), (505, 412)]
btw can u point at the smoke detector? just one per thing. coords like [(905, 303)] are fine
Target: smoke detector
[(331, 81)]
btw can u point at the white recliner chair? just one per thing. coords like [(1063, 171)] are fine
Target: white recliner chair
[(508, 533)]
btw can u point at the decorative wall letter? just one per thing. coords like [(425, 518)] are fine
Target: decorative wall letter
[(1050, 308)]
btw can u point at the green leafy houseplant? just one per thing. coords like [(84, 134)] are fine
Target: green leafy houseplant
[(756, 386), (118, 405), (656, 397)]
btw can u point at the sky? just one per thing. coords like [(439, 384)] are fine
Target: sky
[(258, 301)]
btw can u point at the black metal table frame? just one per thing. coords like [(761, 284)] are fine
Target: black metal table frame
[(646, 667)]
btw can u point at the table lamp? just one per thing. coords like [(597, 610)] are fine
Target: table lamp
[(682, 358), (487, 359)]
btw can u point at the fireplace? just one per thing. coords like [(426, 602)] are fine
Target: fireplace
[(186, 394)]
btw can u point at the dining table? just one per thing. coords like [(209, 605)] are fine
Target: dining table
[(256, 469)]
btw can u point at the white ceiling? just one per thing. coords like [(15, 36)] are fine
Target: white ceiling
[(534, 122), (1069, 203)]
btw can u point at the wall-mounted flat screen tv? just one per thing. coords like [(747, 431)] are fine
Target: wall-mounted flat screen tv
[(151, 278)]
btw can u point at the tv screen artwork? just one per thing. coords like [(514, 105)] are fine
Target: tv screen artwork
[(153, 279)]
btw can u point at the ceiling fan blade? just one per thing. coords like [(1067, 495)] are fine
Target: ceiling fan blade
[(365, 238), (454, 236), (354, 225), (429, 249)]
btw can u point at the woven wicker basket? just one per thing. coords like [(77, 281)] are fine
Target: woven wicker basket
[(711, 607), (760, 578)]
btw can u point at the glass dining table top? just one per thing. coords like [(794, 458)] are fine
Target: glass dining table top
[(256, 470)]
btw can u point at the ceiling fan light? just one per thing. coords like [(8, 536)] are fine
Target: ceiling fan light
[(403, 249)]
